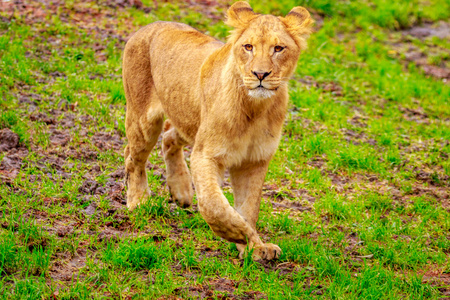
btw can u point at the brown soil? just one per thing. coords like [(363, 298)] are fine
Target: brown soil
[(439, 278), (420, 57), (8, 140), (440, 29), (222, 286)]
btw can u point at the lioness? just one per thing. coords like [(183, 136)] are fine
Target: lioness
[(227, 100)]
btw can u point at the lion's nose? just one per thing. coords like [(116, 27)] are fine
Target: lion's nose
[(261, 75)]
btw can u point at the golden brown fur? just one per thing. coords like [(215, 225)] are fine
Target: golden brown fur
[(227, 100)]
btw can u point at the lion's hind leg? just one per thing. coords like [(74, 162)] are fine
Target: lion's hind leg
[(143, 128), (178, 178), (144, 117)]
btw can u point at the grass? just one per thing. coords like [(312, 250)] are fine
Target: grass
[(356, 196)]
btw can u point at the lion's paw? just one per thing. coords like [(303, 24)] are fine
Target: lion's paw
[(181, 190), (135, 199), (266, 251)]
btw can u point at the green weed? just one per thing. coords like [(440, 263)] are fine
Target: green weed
[(135, 254)]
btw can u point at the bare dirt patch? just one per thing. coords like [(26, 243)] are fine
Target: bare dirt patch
[(223, 286), (297, 200), (12, 162), (417, 115), (432, 59), (440, 29), (106, 141), (42, 117), (59, 138), (8, 140), (67, 267), (439, 278), (331, 86)]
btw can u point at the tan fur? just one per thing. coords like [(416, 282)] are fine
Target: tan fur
[(209, 92)]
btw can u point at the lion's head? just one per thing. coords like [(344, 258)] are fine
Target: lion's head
[(266, 48)]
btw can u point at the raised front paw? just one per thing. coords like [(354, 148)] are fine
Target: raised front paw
[(266, 251)]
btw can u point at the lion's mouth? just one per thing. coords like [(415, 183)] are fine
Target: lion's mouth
[(261, 92), (261, 87)]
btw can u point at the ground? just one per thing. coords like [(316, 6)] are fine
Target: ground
[(357, 196)]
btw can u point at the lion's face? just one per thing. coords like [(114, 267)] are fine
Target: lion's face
[(266, 56), (266, 48)]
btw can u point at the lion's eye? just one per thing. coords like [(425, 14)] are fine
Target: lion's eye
[(248, 47), (278, 48)]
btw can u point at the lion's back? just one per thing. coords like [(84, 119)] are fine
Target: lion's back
[(173, 54), (177, 52)]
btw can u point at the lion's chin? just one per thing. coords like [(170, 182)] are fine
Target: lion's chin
[(261, 93)]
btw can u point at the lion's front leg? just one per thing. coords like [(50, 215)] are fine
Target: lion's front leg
[(224, 220), (247, 180)]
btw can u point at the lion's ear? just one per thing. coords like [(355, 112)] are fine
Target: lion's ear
[(240, 14), (299, 22)]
